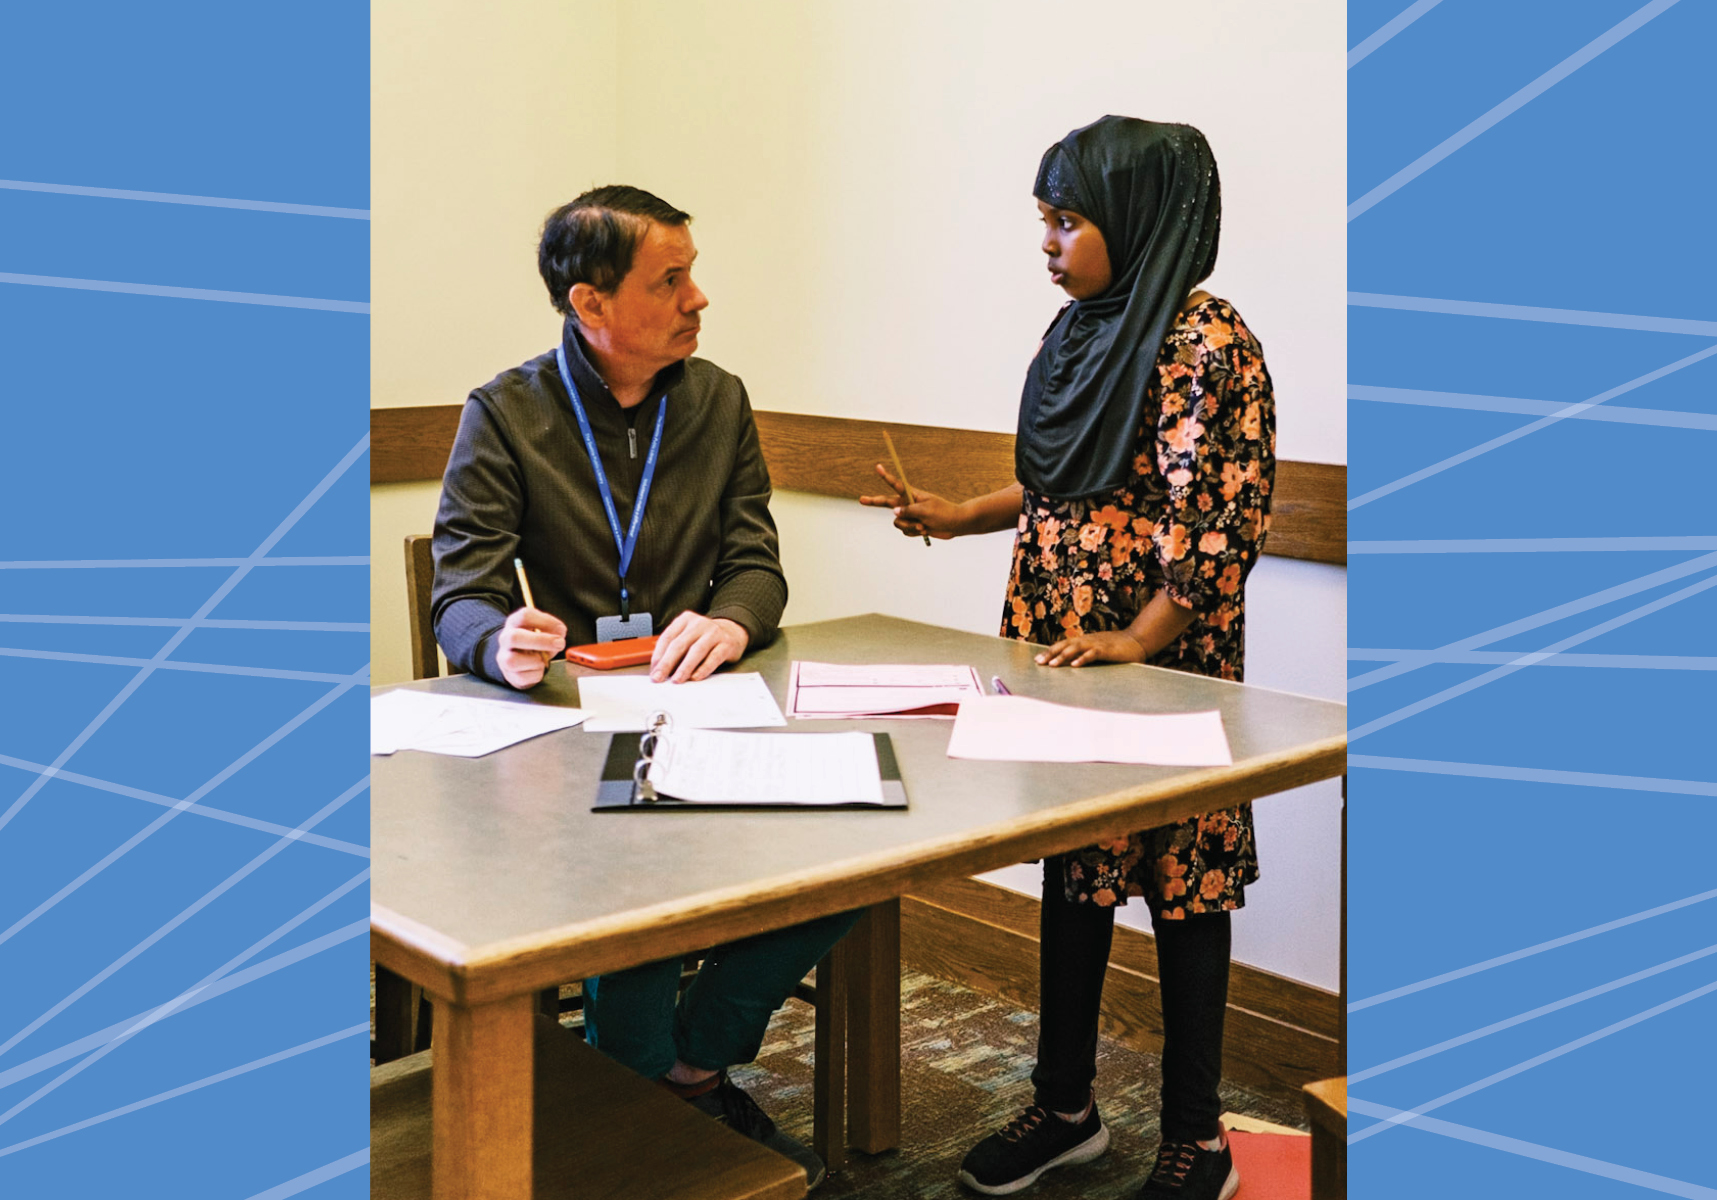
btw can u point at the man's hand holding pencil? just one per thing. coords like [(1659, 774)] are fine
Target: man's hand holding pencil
[(529, 640)]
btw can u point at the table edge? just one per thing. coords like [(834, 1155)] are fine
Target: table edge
[(468, 974)]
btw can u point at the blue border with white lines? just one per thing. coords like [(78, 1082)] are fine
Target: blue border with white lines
[(1533, 602), (184, 369)]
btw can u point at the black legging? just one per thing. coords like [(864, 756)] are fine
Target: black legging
[(1192, 963)]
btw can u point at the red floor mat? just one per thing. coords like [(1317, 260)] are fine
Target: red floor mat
[(1273, 1166)]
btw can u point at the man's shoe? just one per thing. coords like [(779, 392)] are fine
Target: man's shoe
[(734, 1107), (1187, 1171), (1030, 1144)]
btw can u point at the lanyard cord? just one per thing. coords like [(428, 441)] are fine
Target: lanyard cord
[(626, 544)]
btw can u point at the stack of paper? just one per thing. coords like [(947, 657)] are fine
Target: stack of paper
[(461, 725), (834, 690), (622, 703), (1019, 729)]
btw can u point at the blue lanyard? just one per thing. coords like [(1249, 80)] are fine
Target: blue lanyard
[(627, 544)]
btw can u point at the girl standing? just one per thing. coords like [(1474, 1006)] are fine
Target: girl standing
[(1145, 459)]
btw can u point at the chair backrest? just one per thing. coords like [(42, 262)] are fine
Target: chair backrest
[(419, 575)]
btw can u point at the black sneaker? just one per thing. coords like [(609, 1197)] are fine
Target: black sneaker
[(734, 1107), (1187, 1171), (1031, 1144)]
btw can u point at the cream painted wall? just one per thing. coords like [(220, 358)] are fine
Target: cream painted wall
[(860, 173), (475, 136)]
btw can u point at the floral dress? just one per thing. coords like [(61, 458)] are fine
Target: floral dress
[(1191, 520)]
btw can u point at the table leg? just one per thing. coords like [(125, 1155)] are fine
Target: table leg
[(873, 1035), (482, 1100), (829, 1079), (396, 1016)]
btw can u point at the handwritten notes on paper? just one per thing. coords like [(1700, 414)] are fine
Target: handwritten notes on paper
[(1020, 729), (622, 703), (466, 726), (703, 766), (830, 691)]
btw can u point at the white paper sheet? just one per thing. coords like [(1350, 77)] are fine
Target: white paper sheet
[(622, 703), (466, 726), (1020, 729), (703, 766), (833, 690)]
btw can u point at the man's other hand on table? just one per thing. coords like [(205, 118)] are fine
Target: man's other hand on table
[(693, 646)]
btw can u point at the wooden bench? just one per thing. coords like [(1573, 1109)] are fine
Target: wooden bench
[(1326, 1106), (602, 1133)]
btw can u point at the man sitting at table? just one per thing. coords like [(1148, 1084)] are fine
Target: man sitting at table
[(627, 477)]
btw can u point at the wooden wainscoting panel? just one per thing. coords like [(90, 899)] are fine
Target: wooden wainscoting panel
[(1308, 516), (1278, 1035), (408, 444), (837, 456)]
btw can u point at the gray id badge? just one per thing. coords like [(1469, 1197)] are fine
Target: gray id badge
[(615, 629)]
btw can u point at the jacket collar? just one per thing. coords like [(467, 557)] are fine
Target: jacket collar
[(589, 380)]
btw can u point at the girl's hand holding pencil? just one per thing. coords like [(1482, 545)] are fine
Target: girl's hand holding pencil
[(923, 515)]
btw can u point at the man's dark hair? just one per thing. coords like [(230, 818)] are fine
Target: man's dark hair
[(592, 239)]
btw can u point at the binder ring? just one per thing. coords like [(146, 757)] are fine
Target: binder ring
[(656, 724), (641, 780)]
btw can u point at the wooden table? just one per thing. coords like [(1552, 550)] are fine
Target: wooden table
[(493, 879)]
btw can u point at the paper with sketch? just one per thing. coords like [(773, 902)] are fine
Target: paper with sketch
[(703, 766), (832, 690), (622, 703), (1020, 729), (466, 726)]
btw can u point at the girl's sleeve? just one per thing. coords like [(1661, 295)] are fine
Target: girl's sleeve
[(1215, 446)]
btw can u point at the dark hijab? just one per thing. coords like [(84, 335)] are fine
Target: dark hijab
[(1153, 192)]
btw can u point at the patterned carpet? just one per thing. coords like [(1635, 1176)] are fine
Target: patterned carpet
[(966, 1062)]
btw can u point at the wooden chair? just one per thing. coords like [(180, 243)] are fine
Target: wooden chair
[(403, 1014), (1326, 1107), (856, 997), (419, 577)]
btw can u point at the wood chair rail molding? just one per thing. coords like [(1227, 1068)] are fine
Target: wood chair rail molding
[(836, 456)]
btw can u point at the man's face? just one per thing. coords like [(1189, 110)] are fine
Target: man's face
[(653, 314)]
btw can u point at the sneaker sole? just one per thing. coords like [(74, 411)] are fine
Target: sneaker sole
[(1091, 1148), (1230, 1185)]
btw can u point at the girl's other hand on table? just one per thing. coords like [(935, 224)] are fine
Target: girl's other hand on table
[(1089, 648)]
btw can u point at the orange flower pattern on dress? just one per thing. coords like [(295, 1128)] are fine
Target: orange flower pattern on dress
[(1190, 521)]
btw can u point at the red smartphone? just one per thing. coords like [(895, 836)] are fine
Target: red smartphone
[(628, 652)]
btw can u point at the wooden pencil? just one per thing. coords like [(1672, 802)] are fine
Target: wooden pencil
[(524, 583), (900, 472)]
